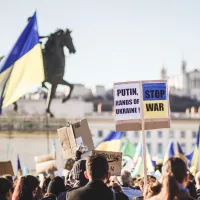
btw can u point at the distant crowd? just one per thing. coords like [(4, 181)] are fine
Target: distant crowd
[(91, 180)]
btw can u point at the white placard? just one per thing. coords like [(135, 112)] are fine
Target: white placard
[(127, 101), (79, 141)]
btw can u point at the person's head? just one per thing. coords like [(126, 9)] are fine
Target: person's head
[(44, 185), (150, 179), (97, 168), (197, 179), (5, 189), (177, 168), (152, 189), (78, 172), (126, 178), (56, 186), (9, 177), (26, 188)]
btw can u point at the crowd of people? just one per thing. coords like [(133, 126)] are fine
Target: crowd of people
[(91, 180)]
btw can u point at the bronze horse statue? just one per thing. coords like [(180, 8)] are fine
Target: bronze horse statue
[(54, 64)]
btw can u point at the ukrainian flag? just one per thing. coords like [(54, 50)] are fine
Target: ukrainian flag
[(23, 67), (170, 151), (111, 142), (195, 155), (19, 169), (181, 154)]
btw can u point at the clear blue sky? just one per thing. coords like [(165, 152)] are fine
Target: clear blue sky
[(116, 40)]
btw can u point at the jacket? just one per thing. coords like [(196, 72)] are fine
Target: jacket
[(198, 194), (94, 190)]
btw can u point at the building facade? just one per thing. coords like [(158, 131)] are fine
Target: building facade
[(184, 84), (28, 136)]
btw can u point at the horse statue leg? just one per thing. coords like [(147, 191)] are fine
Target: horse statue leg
[(71, 86), (43, 85), (15, 106), (51, 95)]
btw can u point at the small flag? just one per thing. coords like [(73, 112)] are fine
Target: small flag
[(54, 148), (111, 142), (195, 155), (128, 149), (19, 169), (138, 161), (25, 170), (181, 154), (23, 67), (170, 151)]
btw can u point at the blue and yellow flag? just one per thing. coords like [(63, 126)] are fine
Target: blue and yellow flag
[(23, 67), (170, 151), (19, 169), (181, 153), (111, 142), (195, 155), (54, 148)]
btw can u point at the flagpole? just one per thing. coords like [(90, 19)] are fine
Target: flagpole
[(143, 138), (47, 131)]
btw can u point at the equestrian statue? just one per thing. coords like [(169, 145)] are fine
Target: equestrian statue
[(54, 64)]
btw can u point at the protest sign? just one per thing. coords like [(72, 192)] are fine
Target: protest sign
[(6, 168), (46, 167), (141, 105), (74, 135), (127, 106), (114, 160), (155, 101), (145, 101), (67, 141), (45, 164)]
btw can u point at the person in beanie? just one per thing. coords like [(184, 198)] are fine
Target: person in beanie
[(77, 174)]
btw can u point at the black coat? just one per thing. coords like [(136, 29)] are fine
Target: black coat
[(94, 190)]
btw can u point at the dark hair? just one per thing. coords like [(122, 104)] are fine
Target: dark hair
[(176, 167), (56, 186), (5, 186), (170, 188), (45, 185), (8, 176), (25, 187), (97, 167)]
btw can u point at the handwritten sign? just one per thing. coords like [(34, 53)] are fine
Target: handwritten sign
[(141, 100), (127, 101), (114, 160)]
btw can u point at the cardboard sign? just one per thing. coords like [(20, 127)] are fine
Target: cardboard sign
[(67, 141), (74, 135), (45, 164), (46, 167), (6, 168), (141, 100), (44, 158), (114, 160)]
